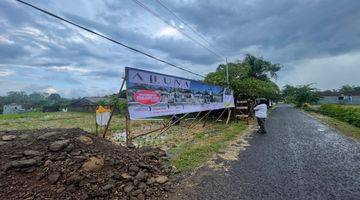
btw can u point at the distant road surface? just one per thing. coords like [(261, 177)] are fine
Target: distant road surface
[(299, 158)]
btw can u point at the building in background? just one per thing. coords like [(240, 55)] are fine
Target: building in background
[(332, 97), (86, 104), (13, 109)]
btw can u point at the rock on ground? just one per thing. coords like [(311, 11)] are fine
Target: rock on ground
[(8, 137), (85, 140), (23, 163), (59, 145), (94, 163), (73, 164)]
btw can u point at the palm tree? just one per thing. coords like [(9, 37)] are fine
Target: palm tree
[(260, 68)]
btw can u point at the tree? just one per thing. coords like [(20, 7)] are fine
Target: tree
[(37, 100), (350, 90), (34, 100), (122, 94), (288, 93), (301, 94), (255, 88), (248, 78), (54, 97), (260, 68)]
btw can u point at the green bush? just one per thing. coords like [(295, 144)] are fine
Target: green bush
[(347, 114), (306, 106)]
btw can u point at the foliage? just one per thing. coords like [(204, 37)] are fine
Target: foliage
[(249, 78), (54, 97), (120, 104), (35, 100), (306, 106), (350, 90), (122, 94), (347, 114), (344, 90), (288, 93), (255, 88), (299, 95), (260, 68)]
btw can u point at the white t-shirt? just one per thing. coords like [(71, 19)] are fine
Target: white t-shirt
[(261, 111)]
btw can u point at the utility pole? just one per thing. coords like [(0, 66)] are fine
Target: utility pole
[(227, 73), (228, 87)]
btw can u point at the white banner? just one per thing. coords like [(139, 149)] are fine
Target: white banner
[(152, 94)]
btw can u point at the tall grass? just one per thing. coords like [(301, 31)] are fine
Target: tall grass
[(349, 114)]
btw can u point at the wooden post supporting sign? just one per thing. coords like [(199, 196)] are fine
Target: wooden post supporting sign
[(113, 108), (128, 131)]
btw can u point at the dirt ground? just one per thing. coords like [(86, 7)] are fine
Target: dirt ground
[(73, 164)]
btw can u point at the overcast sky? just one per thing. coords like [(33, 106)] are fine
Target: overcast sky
[(316, 41)]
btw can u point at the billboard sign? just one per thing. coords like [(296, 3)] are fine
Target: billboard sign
[(151, 94)]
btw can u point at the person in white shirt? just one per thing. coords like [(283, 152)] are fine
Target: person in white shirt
[(261, 114)]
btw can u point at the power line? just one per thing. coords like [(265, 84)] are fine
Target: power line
[(196, 32), (108, 38), (175, 27), (185, 23)]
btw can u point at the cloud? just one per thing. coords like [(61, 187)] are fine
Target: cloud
[(168, 32), (306, 36), (326, 72), (5, 72), (50, 90), (69, 69)]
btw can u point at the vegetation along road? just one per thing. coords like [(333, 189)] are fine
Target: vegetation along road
[(299, 158)]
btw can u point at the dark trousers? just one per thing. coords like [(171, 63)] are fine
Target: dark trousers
[(261, 122)]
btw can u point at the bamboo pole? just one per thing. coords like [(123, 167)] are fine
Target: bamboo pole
[(96, 125), (228, 118), (128, 130), (221, 115), (143, 134), (195, 119), (199, 120), (172, 124), (206, 118)]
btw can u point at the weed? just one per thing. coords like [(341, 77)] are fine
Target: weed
[(191, 155), (349, 114)]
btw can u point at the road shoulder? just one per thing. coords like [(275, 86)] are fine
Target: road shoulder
[(220, 163), (341, 127)]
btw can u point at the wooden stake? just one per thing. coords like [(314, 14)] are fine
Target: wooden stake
[(228, 119), (200, 119), (128, 130), (96, 125), (195, 119), (113, 107), (221, 115), (168, 122), (158, 129), (207, 115), (172, 124), (204, 116)]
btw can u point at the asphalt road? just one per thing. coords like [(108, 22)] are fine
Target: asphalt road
[(299, 158)]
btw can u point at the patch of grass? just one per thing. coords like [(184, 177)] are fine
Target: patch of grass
[(38, 120), (349, 114), (191, 155), (343, 127), (19, 116)]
